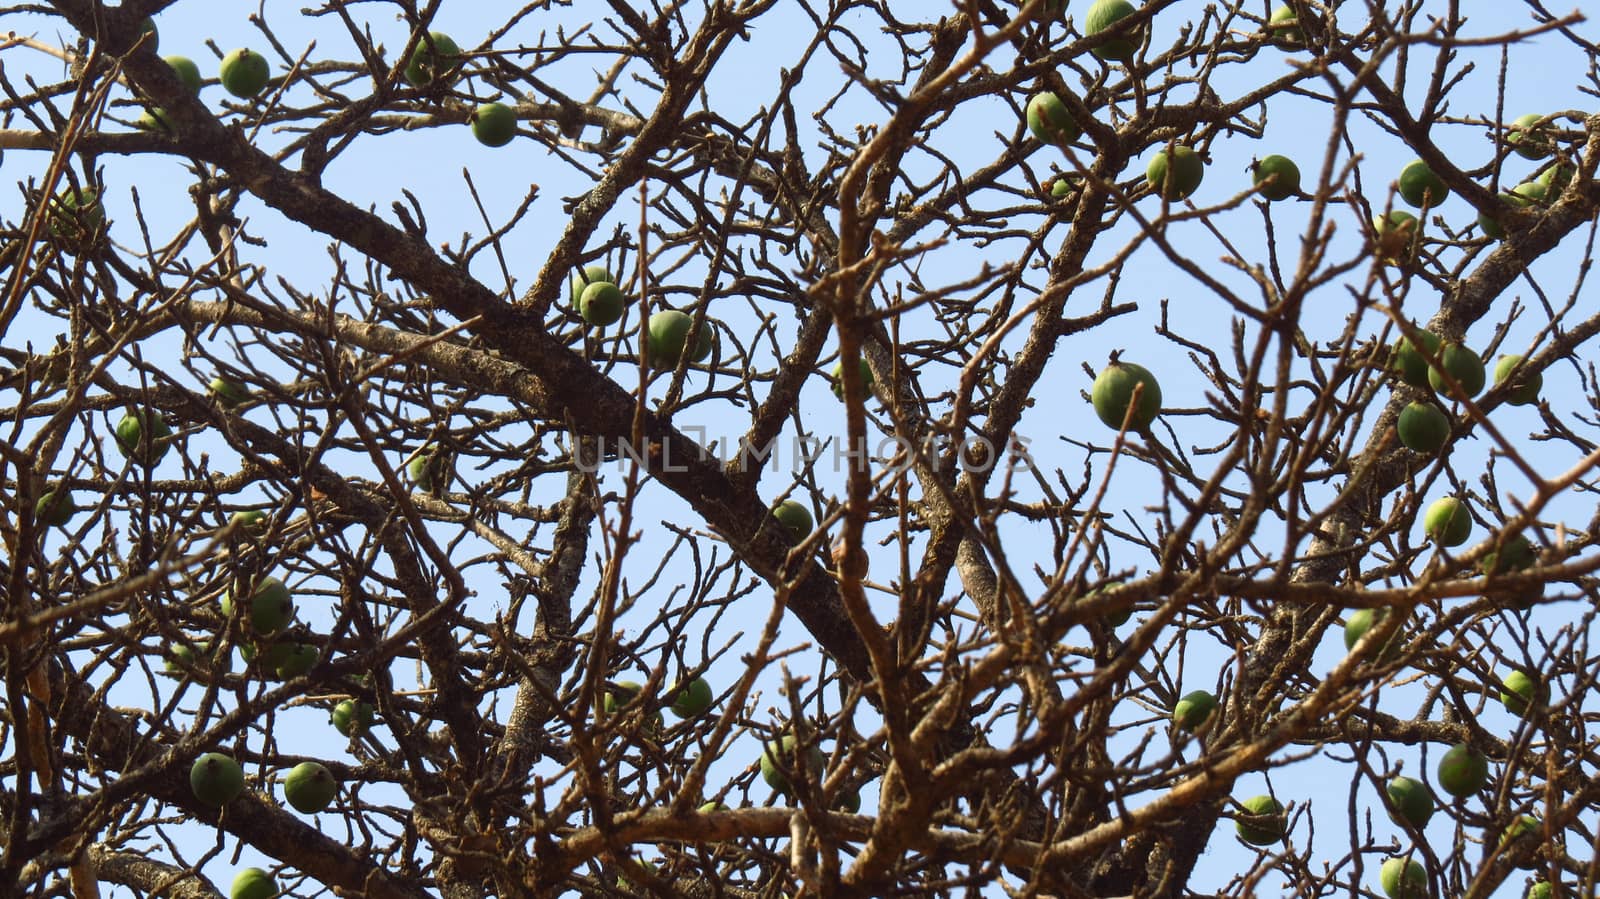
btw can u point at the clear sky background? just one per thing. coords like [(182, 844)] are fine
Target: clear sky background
[(431, 162)]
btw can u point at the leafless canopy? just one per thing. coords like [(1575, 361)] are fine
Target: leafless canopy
[(511, 530)]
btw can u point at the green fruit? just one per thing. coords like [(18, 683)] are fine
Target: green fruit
[(712, 806), (779, 760), (1463, 770), (1050, 121), (1062, 187), (271, 606), (1530, 139), (1522, 692), (154, 119), (148, 27), (428, 65), (838, 377), (1193, 710), (1556, 177), (228, 394), (666, 335), (253, 883), (1112, 395), (55, 508), (1525, 389), (1423, 427), (181, 658), (1409, 363), (1395, 236), (1460, 363), (144, 437), (77, 215), (1525, 829), (295, 660), (1528, 194), (582, 279), (1277, 177), (1448, 521), (1404, 878), (795, 517), (1419, 186), (1363, 620), (1176, 173), (691, 699), (430, 469), (1514, 555), (250, 521), (494, 124), (619, 695), (1540, 890), (602, 303), (351, 718), (1490, 227), (1411, 799), (216, 779), (1113, 619), (187, 72), (1105, 14), (1266, 832), (1285, 29), (309, 787), (244, 73)]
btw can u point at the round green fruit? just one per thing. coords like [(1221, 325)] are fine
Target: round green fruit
[(77, 215), (271, 606), (187, 72), (1529, 138), (602, 303), (1514, 555), (55, 508), (430, 469), (253, 883), (435, 63), (795, 518), (182, 658), (1447, 521), (1262, 832), (1104, 15), (1540, 890), (144, 437), (1528, 194), (1555, 178), (148, 27), (1050, 121), (310, 787), (666, 335), (1410, 799), (1403, 878), (779, 759), (1526, 384), (1423, 427), (1194, 710), (1395, 236), (1363, 620), (1419, 186), (1112, 396), (154, 119), (1460, 363), (1062, 187), (228, 394), (1409, 363), (691, 699), (250, 521), (351, 718), (216, 779), (1522, 692), (582, 279), (494, 124), (1176, 173), (1524, 829), (838, 377), (296, 660), (1463, 770), (244, 73), (1277, 177), (1284, 27)]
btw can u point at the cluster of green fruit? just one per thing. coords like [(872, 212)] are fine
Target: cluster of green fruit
[(243, 73), (689, 700), (216, 780), (1423, 426), (596, 298)]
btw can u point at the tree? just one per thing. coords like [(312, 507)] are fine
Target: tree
[(472, 534)]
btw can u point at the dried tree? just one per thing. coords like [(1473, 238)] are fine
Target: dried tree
[(488, 534)]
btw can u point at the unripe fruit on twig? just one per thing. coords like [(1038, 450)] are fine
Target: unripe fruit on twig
[(244, 73), (1460, 363), (1395, 237), (1363, 620), (253, 883), (1530, 139), (795, 518), (310, 787), (1112, 395), (144, 437), (1423, 427), (435, 64), (1410, 799), (1463, 770), (602, 303), (1271, 829), (187, 72), (1448, 521), (494, 124), (1176, 173), (1403, 878), (216, 779), (1103, 15), (866, 377), (1050, 121), (778, 761), (1528, 382), (271, 606), (666, 335), (1194, 710), (1522, 692), (1419, 186), (1409, 363), (1277, 177), (55, 508), (1284, 26), (351, 718), (691, 699)]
